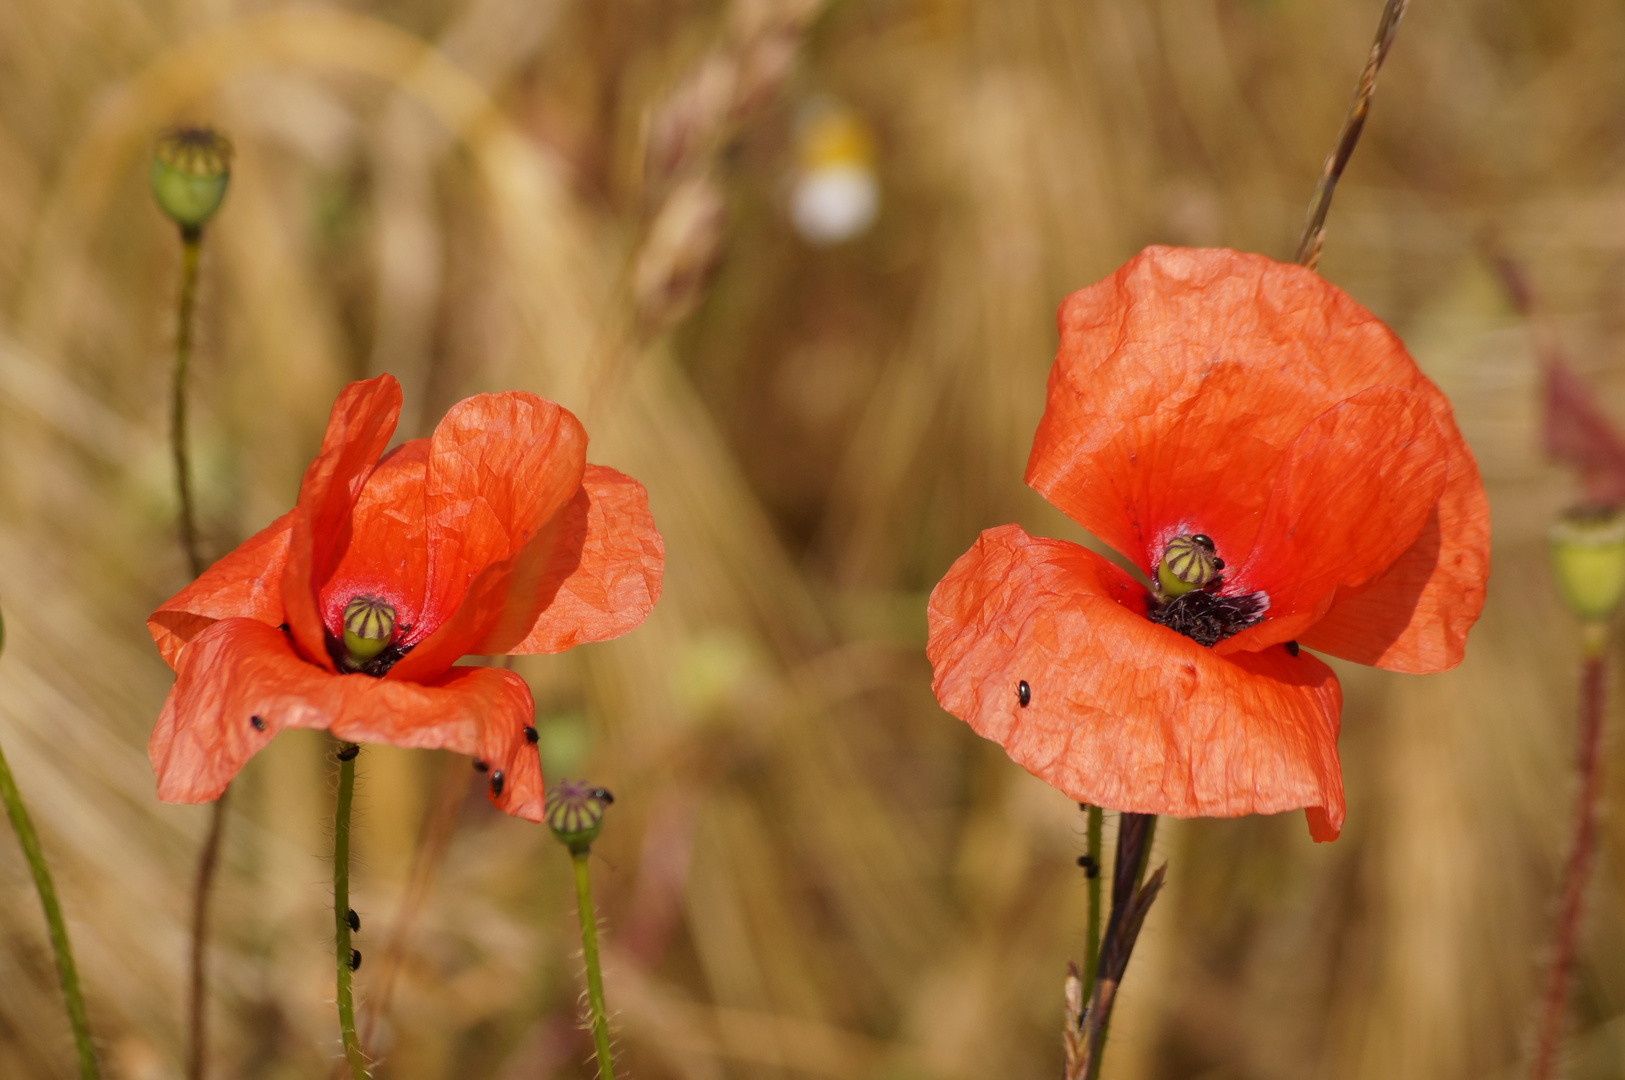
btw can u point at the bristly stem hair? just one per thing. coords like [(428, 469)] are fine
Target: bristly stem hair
[(66, 970), (589, 955), (1582, 852), (1314, 225), (343, 951)]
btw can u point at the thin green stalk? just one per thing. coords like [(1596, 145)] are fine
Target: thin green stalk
[(1131, 900), (341, 912), (595, 978), (65, 969), (1096, 816), (191, 246)]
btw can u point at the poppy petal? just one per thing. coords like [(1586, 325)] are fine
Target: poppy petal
[(1415, 617), (358, 429), (388, 555), (501, 467), (240, 682), (1180, 382), (1119, 711), (1357, 487), (606, 569), (246, 584)]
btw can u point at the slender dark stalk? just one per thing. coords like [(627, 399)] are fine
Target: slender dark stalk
[(1577, 874), (191, 246), (1096, 816), (341, 912), (65, 969), (1314, 225), (589, 954), (1131, 900), (202, 887)]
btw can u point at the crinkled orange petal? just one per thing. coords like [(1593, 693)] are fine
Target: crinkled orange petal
[(1123, 712), (501, 468), (606, 569), (1415, 617), (1357, 487), (246, 584), (238, 669), (358, 430), (1141, 349), (388, 552)]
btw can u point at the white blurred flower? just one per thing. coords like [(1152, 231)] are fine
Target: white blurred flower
[(836, 195)]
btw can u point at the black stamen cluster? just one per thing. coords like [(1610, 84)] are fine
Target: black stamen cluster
[(386, 659), (1207, 618)]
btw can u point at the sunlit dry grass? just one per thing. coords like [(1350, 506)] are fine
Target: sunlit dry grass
[(810, 870)]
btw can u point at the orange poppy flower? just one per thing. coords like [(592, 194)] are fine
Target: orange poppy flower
[(1268, 453), (348, 613)]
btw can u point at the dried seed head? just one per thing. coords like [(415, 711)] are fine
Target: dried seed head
[(1189, 563), (575, 813), (1588, 560), (369, 627), (190, 169)]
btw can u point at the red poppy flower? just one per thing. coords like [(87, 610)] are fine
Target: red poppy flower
[(491, 536), (1268, 453)]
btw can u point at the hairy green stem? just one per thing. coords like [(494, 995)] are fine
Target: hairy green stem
[(589, 953), (191, 246), (1096, 816), (65, 968), (341, 912)]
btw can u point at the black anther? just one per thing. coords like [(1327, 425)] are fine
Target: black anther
[(530, 735), (355, 921), (496, 782), (349, 752), (1024, 693), (258, 722)]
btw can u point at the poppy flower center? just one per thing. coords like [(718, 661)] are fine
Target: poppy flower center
[(1186, 598), (367, 643)]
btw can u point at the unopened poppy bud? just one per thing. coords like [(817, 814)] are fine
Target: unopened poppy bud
[(575, 813), (1189, 563), (1588, 560), (369, 627), (190, 169)]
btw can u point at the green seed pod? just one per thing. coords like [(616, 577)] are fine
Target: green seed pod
[(1189, 563), (575, 813), (1588, 560), (190, 169), (369, 627)]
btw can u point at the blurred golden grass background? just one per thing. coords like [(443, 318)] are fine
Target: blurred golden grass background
[(810, 870)]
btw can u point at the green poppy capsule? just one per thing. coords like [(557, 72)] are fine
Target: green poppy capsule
[(1588, 561), (1189, 563), (190, 169), (369, 627), (575, 812)]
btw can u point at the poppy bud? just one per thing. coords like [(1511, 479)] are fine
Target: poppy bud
[(1189, 563), (1588, 560), (575, 813), (369, 627), (190, 169)]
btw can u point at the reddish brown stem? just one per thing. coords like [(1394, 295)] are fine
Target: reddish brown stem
[(1577, 874)]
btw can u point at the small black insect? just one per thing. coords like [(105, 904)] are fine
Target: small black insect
[(258, 722), (285, 628), (1218, 563), (354, 920), (480, 766), (355, 959), (1292, 647), (602, 795), (1204, 539), (349, 752), (1024, 693), (1091, 869), (496, 782), (530, 735)]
